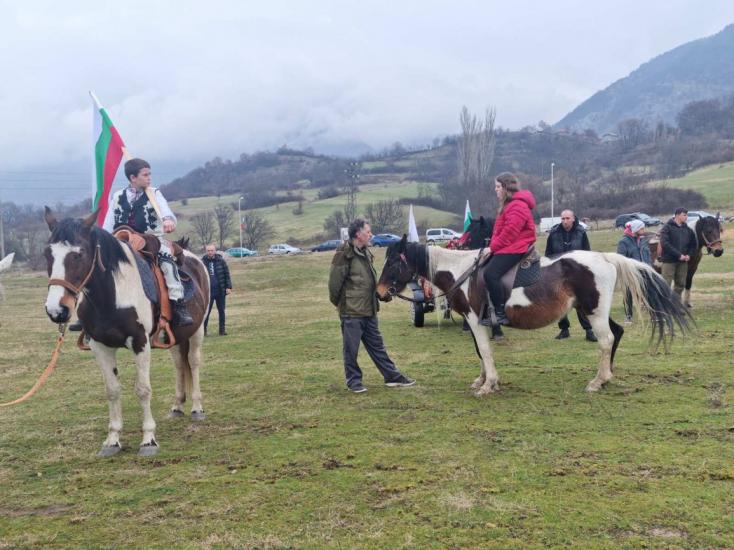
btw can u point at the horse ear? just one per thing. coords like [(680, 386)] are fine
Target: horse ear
[(89, 220), (50, 218)]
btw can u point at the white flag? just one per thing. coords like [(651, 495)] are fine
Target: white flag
[(412, 229)]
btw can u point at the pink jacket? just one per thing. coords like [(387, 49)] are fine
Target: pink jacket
[(514, 229)]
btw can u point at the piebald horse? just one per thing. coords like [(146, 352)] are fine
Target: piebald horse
[(87, 264), (585, 280)]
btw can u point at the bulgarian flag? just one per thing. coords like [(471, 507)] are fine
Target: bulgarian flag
[(467, 216), (108, 152)]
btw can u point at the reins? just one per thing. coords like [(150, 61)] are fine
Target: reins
[(46, 372), (457, 284)]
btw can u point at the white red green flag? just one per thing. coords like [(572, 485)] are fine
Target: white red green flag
[(108, 152), (467, 216)]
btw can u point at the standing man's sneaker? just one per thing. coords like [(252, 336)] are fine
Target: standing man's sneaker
[(590, 336), (358, 388), (563, 334), (222, 332), (400, 382)]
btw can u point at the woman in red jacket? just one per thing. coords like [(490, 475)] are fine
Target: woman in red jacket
[(514, 233)]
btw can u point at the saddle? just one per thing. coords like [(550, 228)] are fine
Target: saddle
[(524, 273)]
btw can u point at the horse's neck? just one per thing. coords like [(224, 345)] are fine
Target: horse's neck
[(455, 262)]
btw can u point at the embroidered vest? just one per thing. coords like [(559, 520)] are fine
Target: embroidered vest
[(140, 215)]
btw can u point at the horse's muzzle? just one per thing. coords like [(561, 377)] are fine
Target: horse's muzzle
[(718, 252), (61, 316)]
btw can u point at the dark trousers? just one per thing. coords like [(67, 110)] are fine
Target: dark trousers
[(365, 329), (628, 309), (565, 324), (498, 265), (219, 299)]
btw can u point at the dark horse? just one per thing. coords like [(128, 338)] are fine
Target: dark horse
[(87, 264), (585, 280), (708, 234)]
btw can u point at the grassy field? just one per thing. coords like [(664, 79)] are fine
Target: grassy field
[(715, 182), (311, 221), (287, 458)]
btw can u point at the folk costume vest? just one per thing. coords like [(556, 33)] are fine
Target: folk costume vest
[(140, 215)]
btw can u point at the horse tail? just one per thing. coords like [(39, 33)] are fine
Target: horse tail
[(651, 295)]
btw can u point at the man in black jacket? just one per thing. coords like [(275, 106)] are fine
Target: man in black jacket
[(219, 282), (678, 242), (565, 237)]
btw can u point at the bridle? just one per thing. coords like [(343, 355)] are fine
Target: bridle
[(392, 291), (76, 290)]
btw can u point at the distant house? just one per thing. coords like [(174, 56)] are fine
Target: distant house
[(609, 137)]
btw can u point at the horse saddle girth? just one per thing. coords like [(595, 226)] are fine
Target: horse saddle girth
[(524, 273)]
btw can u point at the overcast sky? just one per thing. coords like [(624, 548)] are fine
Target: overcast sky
[(187, 81)]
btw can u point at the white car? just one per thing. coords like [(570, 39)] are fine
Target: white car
[(283, 249), (441, 235)]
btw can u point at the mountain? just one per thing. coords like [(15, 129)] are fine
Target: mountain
[(660, 88)]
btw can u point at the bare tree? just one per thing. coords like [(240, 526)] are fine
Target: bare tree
[(204, 229), (475, 154), (351, 188), (225, 222), (334, 223), (385, 216), (256, 230)]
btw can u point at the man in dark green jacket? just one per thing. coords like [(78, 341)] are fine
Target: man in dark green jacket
[(352, 284)]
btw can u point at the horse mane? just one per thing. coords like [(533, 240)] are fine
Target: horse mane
[(111, 250), (417, 255)]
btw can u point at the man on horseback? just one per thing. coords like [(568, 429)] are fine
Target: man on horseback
[(512, 237), (147, 211)]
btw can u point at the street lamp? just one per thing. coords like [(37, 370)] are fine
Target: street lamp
[(239, 214), (553, 164)]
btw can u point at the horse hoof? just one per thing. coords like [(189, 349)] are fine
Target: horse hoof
[(149, 449), (198, 415), (109, 450), (593, 387), (478, 383), (176, 414)]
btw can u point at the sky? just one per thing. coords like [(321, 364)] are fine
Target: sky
[(186, 81)]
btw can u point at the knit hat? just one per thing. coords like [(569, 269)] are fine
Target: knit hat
[(636, 225)]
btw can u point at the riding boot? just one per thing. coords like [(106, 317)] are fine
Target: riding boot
[(181, 316), (502, 319), (486, 319), (76, 326)]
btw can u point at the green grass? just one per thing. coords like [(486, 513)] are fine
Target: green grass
[(715, 183), (287, 458), (311, 221)]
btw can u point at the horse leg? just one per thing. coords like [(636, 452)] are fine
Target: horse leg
[(107, 361), (194, 363), (488, 380), (148, 446), (180, 397), (600, 322)]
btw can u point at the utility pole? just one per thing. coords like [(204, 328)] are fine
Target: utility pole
[(2, 234), (352, 172), (553, 164)]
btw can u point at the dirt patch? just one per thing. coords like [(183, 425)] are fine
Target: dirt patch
[(47, 511)]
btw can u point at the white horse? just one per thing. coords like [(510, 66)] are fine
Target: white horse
[(5, 264), (580, 279)]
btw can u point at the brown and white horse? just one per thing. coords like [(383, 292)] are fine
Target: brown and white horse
[(585, 280), (87, 264)]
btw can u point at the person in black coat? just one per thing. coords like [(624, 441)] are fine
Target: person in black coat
[(220, 284), (678, 242), (565, 237), (633, 245)]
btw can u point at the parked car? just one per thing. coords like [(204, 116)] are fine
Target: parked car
[(384, 239), (327, 245), (694, 215), (622, 219), (238, 252), (283, 249), (441, 235)]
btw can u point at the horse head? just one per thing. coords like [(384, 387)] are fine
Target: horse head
[(708, 231), (480, 232), (398, 270), (70, 259)]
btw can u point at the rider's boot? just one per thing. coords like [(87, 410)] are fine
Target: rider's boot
[(181, 315)]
